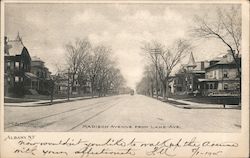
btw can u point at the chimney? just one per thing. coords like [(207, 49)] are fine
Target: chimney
[(5, 40)]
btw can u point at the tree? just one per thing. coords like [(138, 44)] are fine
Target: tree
[(226, 27), (167, 59), (94, 64), (76, 55), (98, 62)]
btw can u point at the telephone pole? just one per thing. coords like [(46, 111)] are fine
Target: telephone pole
[(156, 51), (68, 86)]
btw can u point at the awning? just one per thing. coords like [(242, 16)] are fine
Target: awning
[(30, 75)]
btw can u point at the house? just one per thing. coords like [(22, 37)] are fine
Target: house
[(186, 80), (222, 77), (17, 65), (63, 84), (41, 84)]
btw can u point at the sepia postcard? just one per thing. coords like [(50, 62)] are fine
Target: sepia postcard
[(124, 79)]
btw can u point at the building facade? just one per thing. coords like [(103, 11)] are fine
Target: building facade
[(64, 84), (17, 65), (23, 74), (186, 81), (222, 77), (42, 82)]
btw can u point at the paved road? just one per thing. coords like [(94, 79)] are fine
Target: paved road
[(120, 113)]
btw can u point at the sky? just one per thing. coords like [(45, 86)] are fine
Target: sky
[(46, 28)]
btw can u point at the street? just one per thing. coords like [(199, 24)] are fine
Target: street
[(119, 113)]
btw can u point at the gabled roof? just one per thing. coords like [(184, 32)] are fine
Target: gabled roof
[(225, 60), (14, 47)]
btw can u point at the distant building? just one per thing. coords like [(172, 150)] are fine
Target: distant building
[(17, 65), (63, 84), (222, 78), (186, 81)]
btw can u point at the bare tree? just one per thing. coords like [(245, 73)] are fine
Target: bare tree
[(97, 64), (167, 60), (76, 55), (146, 85), (94, 64), (226, 27)]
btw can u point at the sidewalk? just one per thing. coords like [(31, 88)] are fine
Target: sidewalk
[(45, 102), (192, 105)]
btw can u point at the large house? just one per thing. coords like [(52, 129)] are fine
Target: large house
[(23, 74), (64, 84), (17, 65), (186, 81), (218, 77), (42, 76), (222, 77)]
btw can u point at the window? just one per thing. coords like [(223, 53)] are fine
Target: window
[(211, 86), (225, 86), (21, 79), (215, 74), (225, 74), (16, 79), (8, 63), (207, 86), (216, 86), (12, 65), (17, 64)]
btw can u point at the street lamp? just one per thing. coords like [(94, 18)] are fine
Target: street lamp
[(156, 51)]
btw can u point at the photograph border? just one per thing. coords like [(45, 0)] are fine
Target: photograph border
[(242, 137)]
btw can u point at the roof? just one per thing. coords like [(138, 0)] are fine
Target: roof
[(35, 58), (218, 58), (206, 79), (191, 61), (30, 75), (14, 47), (225, 60), (216, 80)]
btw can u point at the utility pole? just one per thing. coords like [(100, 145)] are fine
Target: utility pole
[(68, 86), (156, 51)]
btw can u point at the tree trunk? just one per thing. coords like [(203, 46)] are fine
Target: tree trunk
[(163, 91), (166, 90), (72, 83), (92, 88)]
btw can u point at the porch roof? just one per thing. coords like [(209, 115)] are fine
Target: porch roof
[(206, 80), (30, 75)]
